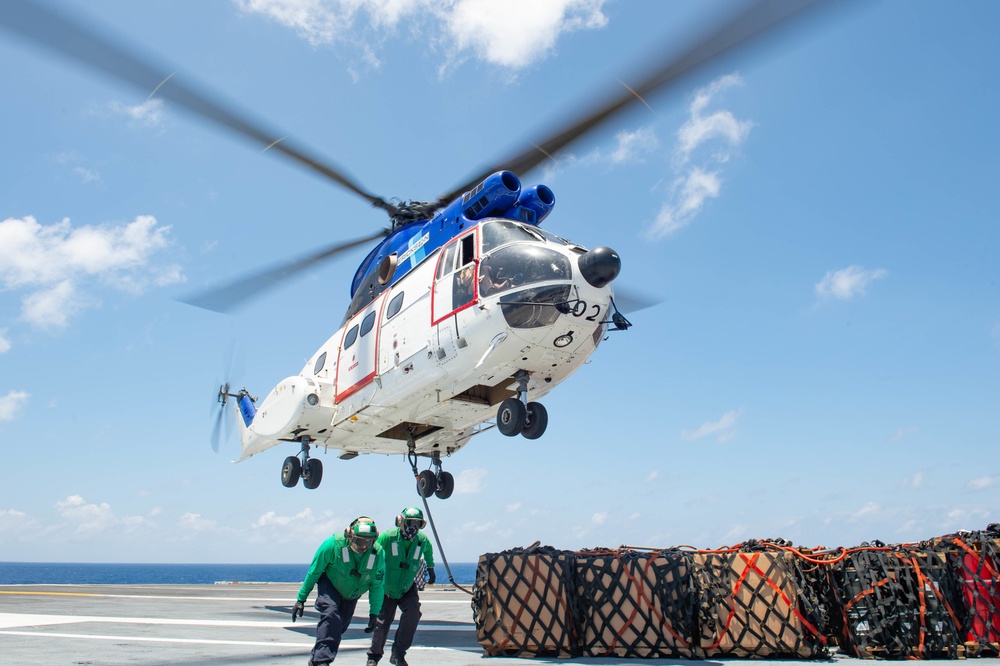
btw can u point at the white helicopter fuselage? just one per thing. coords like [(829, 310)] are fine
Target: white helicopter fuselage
[(423, 366)]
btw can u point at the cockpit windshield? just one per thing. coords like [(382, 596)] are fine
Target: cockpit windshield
[(519, 265), (503, 232)]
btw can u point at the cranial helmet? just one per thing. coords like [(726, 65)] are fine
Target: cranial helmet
[(410, 521), (361, 534)]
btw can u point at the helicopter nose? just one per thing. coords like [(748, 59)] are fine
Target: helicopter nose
[(600, 266)]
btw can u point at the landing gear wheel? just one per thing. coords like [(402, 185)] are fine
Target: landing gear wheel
[(290, 472), (313, 473), (445, 485), (511, 416), (536, 422), (426, 483)]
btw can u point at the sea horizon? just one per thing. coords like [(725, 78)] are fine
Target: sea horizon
[(179, 573)]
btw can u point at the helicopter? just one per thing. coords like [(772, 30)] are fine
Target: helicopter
[(464, 314)]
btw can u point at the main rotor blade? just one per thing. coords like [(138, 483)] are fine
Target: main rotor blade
[(742, 30), (69, 37), (629, 300), (233, 294)]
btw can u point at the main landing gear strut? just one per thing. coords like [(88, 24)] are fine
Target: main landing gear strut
[(517, 416), (310, 469), (430, 481)]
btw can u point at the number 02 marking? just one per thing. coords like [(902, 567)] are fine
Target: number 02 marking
[(580, 308)]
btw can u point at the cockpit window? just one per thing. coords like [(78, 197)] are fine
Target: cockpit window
[(551, 237), (502, 232), (519, 265)]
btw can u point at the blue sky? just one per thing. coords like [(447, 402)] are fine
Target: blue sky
[(818, 216)]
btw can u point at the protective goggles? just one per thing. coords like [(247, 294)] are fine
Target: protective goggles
[(360, 544), (412, 523)]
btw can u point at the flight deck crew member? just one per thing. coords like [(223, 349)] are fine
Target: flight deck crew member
[(345, 566), (404, 546)]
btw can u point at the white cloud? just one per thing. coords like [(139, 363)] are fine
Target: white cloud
[(195, 523), (470, 481), (495, 32), (735, 535), (87, 517), (514, 506), (914, 481), (869, 510), (53, 262), (490, 31), (87, 175), (4, 342), (479, 528), (695, 183), (12, 404), (901, 433), (724, 428), (302, 527), (147, 114), (599, 518), (652, 475), (848, 282), (981, 482), (700, 128), (634, 146), (14, 523), (689, 195)]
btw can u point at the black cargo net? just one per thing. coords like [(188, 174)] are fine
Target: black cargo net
[(636, 604), (897, 603), (757, 602), (523, 603), (974, 557), (937, 599)]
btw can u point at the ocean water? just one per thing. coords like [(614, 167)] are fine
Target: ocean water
[(74, 573)]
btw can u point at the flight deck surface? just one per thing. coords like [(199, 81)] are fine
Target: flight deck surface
[(245, 623)]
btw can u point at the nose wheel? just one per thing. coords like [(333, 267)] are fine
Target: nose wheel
[(310, 470), (516, 416)]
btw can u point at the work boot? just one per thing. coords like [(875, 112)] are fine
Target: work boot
[(371, 662), (398, 661)]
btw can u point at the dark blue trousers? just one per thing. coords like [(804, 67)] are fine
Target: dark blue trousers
[(335, 615), (409, 604)]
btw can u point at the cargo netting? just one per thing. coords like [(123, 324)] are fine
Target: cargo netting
[(896, 603), (974, 558), (761, 603), (523, 603), (936, 599), (636, 604)]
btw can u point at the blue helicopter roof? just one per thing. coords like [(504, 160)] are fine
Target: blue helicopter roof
[(500, 195)]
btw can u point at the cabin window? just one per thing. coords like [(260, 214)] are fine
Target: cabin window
[(394, 306), (468, 249), (351, 336), (367, 323), (447, 263), (320, 362)]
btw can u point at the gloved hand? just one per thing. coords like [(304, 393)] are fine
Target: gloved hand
[(430, 576), (297, 610), (372, 619)]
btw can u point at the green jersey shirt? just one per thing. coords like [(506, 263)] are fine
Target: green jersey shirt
[(402, 560), (350, 573)]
